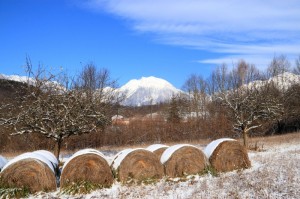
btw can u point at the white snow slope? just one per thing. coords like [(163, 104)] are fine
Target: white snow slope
[(147, 90)]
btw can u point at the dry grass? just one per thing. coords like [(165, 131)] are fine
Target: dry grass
[(270, 141)]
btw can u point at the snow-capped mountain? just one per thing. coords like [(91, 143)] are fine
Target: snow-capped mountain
[(16, 78), (285, 80), (147, 90), (282, 81), (32, 81)]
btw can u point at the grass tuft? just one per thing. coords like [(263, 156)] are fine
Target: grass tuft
[(82, 187), (13, 192)]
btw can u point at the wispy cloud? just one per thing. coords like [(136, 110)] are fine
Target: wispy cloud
[(252, 30)]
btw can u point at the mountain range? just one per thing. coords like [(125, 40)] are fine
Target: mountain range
[(152, 90), (138, 92)]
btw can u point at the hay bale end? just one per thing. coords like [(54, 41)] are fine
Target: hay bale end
[(183, 159), (29, 171), (227, 155), (138, 165), (87, 165)]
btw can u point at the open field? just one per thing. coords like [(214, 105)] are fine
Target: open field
[(275, 173)]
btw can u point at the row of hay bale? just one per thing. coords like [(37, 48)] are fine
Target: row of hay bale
[(38, 172)]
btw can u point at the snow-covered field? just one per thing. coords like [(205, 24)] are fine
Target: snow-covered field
[(275, 173)]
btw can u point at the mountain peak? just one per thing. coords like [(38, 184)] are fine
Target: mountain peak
[(147, 90)]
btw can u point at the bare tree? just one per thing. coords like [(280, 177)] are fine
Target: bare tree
[(247, 104), (278, 65), (296, 69), (196, 87), (54, 111), (97, 84)]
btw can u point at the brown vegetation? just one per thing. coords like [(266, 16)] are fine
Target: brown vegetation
[(29, 173), (200, 115), (87, 167), (228, 156)]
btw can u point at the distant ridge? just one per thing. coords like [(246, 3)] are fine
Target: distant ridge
[(153, 90)]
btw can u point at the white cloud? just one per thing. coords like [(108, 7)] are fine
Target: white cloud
[(249, 28)]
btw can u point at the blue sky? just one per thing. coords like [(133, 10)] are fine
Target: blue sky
[(134, 38)]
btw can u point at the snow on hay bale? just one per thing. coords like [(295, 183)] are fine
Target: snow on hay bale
[(227, 154), (31, 171), (137, 164), (183, 159), (157, 149), (87, 165), (49, 156), (3, 162)]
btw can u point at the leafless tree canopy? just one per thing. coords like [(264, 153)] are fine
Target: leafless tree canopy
[(56, 112), (278, 65), (246, 104), (234, 101)]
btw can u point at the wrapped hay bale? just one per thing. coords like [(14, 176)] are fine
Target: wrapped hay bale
[(48, 155), (3, 162), (30, 171), (138, 165), (183, 159), (227, 154), (89, 166), (157, 149)]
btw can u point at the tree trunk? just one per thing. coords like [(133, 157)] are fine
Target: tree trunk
[(245, 138), (57, 149)]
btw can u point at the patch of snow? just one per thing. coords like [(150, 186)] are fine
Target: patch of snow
[(85, 151), (155, 147), (209, 149), (120, 157), (169, 152), (30, 155), (3, 162), (47, 154), (117, 117)]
